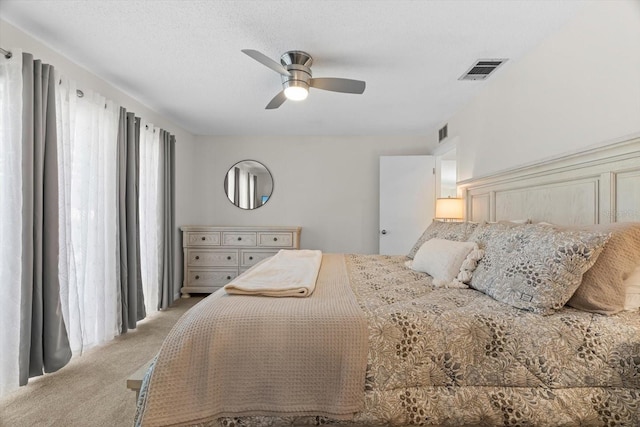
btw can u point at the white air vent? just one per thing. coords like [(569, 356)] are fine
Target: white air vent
[(482, 68)]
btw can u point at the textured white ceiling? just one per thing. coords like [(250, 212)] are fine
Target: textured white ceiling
[(183, 60)]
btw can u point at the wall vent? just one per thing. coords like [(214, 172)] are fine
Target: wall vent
[(443, 132), (482, 69)]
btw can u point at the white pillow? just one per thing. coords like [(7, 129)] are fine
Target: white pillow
[(449, 262), (632, 286)]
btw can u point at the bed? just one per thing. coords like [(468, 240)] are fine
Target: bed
[(418, 353)]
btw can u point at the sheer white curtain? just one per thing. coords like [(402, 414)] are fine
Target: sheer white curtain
[(244, 189), (150, 201), (87, 138), (252, 191), (10, 217)]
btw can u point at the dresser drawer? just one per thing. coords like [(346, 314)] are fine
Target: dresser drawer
[(215, 255), (238, 238), (212, 257), (281, 240), (207, 278), (203, 238), (249, 258)]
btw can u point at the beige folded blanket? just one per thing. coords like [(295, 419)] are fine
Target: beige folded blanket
[(289, 273)]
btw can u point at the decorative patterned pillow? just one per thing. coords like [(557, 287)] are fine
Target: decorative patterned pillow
[(450, 263), (512, 221), (458, 231), (534, 267)]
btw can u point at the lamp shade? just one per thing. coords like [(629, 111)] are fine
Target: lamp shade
[(450, 208)]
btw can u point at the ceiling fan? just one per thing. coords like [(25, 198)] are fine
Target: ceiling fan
[(295, 71)]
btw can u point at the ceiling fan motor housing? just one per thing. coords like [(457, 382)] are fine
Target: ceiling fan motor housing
[(298, 63)]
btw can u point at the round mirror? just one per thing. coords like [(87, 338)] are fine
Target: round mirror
[(248, 184)]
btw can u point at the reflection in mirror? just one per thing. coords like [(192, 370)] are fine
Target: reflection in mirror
[(248, 184), (448, 175)]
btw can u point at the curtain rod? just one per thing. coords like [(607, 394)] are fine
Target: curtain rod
[(7, 54)]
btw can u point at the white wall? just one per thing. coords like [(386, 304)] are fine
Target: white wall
[(13, 37), (327, 185), (579, 88)]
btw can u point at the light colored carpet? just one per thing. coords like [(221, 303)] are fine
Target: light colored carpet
[(91, 389)]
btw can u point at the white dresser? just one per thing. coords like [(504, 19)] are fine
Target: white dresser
[(213, 256)]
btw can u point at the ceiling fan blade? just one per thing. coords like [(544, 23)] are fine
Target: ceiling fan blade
[(266, 61), (277, 101), (338, 85)]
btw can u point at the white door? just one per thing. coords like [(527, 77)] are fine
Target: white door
[(407, 201)]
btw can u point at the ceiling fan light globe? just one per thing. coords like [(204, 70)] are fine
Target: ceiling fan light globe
[(296, 93)]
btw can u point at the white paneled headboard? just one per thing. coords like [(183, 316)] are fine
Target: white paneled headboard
[(599, 185)]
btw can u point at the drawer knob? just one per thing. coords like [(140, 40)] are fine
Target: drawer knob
[(228, 277), (203, 238), (229, 257), (197, 257), (275, 239), (250, 258), (197, 277), (239, 238)]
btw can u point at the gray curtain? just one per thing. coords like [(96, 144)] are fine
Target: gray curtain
[(167, 182), (44, 345), (236, 187), (131, 296)]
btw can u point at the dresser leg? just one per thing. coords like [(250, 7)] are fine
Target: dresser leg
[(185, 296)]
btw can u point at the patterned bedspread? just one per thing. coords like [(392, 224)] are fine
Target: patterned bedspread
[(456, 357)]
